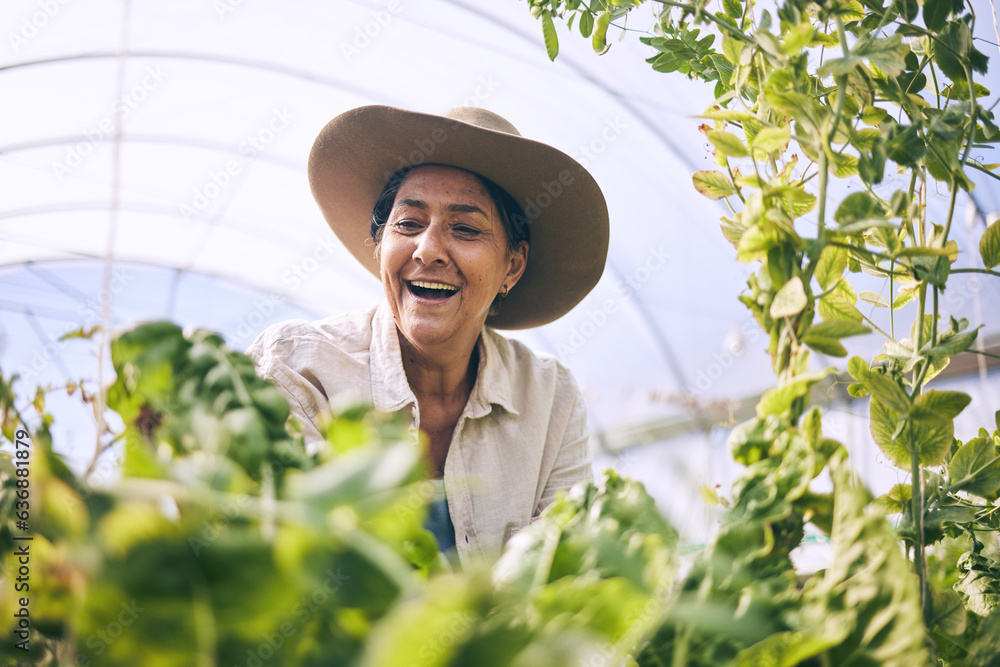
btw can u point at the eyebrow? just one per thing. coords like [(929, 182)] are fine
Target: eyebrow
[(454, 208)]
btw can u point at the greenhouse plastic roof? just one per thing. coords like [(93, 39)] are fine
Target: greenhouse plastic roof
[(165, 143)]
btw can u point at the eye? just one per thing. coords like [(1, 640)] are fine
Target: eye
[(466, 230), (406, 224)]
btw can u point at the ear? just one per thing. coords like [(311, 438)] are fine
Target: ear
[(517, 262)]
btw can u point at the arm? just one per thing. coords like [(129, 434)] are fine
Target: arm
[(574, 462)]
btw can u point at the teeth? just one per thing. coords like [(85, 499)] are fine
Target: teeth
[(427, 285)]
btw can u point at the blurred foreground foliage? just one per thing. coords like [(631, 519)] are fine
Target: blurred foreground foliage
[(224, 542)]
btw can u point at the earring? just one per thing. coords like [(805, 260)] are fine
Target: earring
[(503, 294)]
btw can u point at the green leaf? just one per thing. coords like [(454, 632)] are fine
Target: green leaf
[(708, 495), (858, 206), (727, 143), (888, 391), (830, 266), (884, 423), (825, 345), (889, 430), (906, 295), (935, 403), (874, 298), (975, 468), (797, 38), (777, 401), (839, 66), (790, 300), (551, 39), (772, 139), (586, 24), (960, 91), (979, 585), (733, 8), (989, 245), (784, 649), (867, 598), (839, 329), (905, 146), (896, 501), (839, 304), (858, 368), (952, 345), (735, 115), (873, 115), (936, 13), (952, 48), (713, 184), (886, 53), (948, 613)]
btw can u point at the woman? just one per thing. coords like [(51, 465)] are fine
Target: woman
[(444, 210)]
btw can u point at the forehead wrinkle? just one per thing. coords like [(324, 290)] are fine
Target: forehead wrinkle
[(412, 203), (467, 208)]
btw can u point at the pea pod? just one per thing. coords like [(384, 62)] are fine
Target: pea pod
[(600, 36)]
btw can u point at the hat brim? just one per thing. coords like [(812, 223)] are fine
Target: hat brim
[(356, 153)]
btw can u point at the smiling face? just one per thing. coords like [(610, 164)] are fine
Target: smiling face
[(444, 257)]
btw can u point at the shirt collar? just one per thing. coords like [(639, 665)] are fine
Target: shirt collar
[(391, 391)]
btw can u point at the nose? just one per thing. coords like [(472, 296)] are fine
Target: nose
[(432, 245)]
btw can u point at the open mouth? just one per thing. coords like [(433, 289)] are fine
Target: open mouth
[(432, 291)]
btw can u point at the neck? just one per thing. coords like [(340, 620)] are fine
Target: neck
[(440, 375)]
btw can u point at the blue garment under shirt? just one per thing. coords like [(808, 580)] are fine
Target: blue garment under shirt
[(439, 521)]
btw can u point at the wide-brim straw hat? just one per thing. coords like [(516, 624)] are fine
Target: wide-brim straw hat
[(356, 153)]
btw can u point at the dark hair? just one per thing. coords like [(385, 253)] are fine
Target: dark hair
[(515, 222)]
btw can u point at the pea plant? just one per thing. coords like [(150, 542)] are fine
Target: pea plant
[(810, 98)]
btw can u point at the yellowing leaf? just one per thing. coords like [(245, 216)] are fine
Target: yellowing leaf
[(989, 245), (713, 184), (772, 139), (874, 298), (830, 266), (727, 143), (839, 304)]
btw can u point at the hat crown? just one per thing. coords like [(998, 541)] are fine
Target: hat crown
[(482, 118)]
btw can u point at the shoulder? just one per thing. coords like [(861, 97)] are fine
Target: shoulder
[(294, 341), (528, 367)]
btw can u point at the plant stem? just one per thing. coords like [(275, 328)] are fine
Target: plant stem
[(986, 271), (980, 168), (918, 342), (725, 27), (917, 510), (983, 353), (892, 311), (951, 209)]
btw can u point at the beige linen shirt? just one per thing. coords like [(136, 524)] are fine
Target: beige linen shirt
[(522, 437)]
